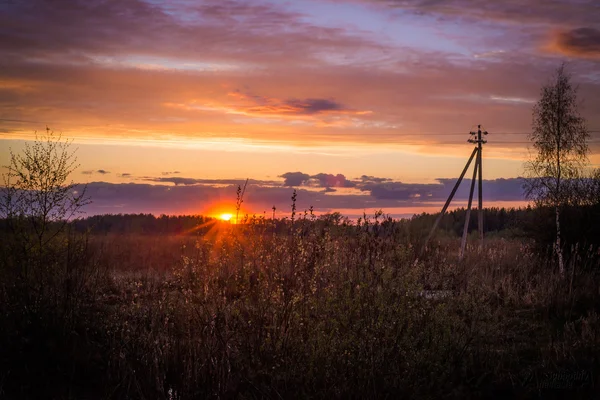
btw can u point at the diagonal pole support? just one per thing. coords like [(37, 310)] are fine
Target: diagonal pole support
[(439, 218), (480, 187)]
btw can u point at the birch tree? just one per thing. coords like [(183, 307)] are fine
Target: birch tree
[(559, 138)]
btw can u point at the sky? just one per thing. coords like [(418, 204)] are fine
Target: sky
[(356, 104)]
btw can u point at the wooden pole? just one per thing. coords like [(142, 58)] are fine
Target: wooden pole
[(480, 159), (468, 216)]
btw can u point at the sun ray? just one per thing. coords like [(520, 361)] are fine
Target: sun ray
[(198, 227)]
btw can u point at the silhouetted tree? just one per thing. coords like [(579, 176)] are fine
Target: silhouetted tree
[(559, 136), (38, 199)]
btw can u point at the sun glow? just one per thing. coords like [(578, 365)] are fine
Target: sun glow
[(226, 217)]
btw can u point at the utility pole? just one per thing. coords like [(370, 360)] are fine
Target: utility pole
[(477, 172), (480, 142), (478, 164)]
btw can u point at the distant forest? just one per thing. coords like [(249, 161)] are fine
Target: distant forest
[(581, 224)]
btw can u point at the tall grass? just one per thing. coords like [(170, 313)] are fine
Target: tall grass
[(322, 309)]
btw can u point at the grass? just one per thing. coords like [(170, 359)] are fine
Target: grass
[(322, 310)]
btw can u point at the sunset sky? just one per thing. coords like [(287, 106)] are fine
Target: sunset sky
[(359, 104)]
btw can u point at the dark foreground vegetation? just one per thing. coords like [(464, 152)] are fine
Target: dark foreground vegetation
[(303, 308)]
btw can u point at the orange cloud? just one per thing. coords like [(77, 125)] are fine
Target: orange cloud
[(271, 107), (60, 69), (579, 42)]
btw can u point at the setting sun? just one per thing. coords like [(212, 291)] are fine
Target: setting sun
[(226, 216)]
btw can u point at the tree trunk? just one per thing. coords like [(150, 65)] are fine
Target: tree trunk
[(561, 265)]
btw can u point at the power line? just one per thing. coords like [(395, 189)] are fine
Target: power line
[(461, 142), (463, 134), (19, 121)]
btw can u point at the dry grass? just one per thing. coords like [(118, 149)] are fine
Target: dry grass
[(322, 311)]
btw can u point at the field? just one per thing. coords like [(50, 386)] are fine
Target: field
[(319, 309)]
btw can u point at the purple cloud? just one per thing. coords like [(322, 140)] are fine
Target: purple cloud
[(580, 42), (98, 171), (330, 180), (294, 178), (136, 198), (510, 11), (176, 180)]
